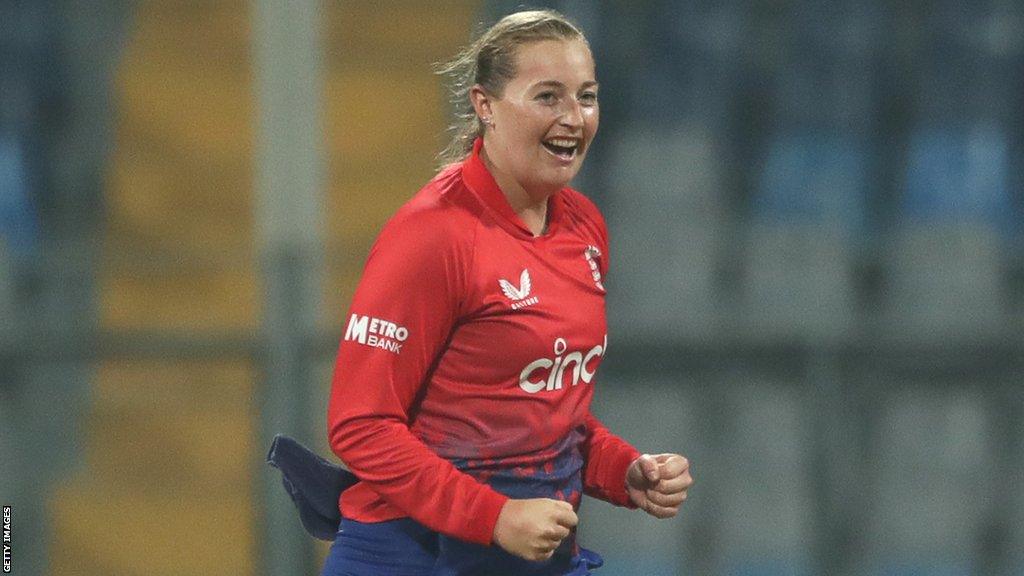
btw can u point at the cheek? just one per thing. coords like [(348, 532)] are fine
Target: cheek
[(591, 120), (527, 127)]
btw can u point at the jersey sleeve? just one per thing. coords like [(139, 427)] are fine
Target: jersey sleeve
[(401, 316), (606, 457)]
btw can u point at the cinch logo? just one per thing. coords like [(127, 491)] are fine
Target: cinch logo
[(548, 374), (518, 294), (376, 333)]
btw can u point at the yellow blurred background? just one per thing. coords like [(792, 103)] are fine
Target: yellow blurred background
[(168, 472)]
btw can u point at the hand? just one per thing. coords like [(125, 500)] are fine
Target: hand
[(658, 484), (532, 529)]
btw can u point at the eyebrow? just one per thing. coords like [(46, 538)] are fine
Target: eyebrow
[(557, 84)]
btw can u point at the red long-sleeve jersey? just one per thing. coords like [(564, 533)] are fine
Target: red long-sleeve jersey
[(467, 365)]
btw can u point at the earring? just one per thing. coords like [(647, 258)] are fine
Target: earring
[(486, 121)]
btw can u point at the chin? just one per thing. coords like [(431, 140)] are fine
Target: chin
[(554, 184), (564, 180)]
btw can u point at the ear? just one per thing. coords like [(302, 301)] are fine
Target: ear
[(481, 101)]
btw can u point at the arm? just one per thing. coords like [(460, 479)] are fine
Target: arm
[(617, 473), (401, 316), (607, 458)]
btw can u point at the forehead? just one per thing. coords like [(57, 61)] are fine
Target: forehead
[(568, 61)]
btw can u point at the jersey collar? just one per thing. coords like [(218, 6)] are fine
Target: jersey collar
[(480, 181)]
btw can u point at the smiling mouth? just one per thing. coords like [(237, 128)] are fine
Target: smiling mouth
[(565, 149)]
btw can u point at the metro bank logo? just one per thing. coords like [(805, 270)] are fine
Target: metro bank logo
[(376, 333)]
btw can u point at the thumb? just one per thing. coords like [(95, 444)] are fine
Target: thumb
[(649, 467)]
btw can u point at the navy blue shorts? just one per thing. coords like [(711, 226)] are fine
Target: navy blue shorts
[(405, 547)]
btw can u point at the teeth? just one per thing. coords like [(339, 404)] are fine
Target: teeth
[(563, 142)]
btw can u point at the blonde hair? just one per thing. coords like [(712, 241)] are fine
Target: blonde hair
[(490, 62)]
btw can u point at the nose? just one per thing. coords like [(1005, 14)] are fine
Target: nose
[(572, 116)]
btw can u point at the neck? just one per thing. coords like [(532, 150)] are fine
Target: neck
[(532, 209)]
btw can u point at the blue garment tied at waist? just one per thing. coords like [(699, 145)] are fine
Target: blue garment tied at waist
[(315, 486)]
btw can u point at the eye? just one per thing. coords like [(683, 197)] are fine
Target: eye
[(547, 97), (588, 98)]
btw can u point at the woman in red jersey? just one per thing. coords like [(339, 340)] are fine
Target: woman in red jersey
[(461, 396)]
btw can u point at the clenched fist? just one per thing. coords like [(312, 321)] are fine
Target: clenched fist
[(533, 529), (658, 484)]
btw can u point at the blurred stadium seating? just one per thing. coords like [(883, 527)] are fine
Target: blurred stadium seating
[(816, 293)]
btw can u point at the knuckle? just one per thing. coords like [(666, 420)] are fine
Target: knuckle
[(666, 513), (541, 552)]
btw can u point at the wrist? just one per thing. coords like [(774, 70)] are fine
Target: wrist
[(627, 466), (490, 521)]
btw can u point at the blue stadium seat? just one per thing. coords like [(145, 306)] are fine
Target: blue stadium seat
[(19, 227), (945, 260), (813, 177), (958, 175), (808, 208)]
